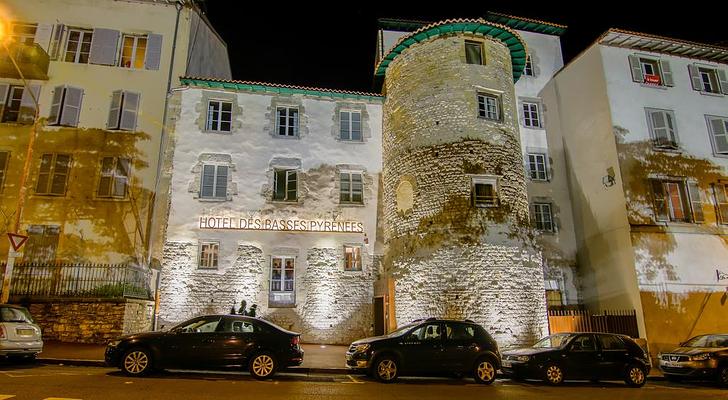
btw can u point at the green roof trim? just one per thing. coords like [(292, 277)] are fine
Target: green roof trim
[(501, 33), (278, 89), (524, 24)]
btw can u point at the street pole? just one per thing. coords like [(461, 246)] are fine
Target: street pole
[(12, 254)]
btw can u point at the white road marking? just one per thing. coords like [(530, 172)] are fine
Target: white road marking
[(353, 380)]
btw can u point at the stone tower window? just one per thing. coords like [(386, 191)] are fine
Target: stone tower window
[(489, 106), (474, 53), (485, 191)]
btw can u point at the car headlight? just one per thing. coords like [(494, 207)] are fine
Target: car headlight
[(700, 357), (114, 343), (522, 358), (361, 348)]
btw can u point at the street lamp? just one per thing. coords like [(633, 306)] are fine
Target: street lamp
[(7, 276)]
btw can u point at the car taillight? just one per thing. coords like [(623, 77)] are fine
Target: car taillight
[(295, 340), (2, 333)]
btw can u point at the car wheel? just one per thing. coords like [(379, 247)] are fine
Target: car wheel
[(553, 374), (136, 362), (723, 375), (262, 366), (635, 376), (484, 371), (386, 369)]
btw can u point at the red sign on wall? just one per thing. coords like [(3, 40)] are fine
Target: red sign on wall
[(652, 79), (16, 241)]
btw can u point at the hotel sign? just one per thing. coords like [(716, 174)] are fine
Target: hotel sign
[(280, 225)]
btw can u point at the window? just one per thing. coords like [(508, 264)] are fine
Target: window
[(352, 258), (133, 51), (456, 331), (718, 127), (65, 106), (4, 159), (285, 184), (53, 174), (42, 243), (485, 192), (282, 274), (528, 68), (351, 188), (543, 218), (239, 326), (429, 332), (584, 343), (677, 201), (219, 116), (721, 201), (123, 110), (662, 128), (199, 325), (554, 298), (23, 33), (474, 53), (350, 125), (287, 121), (531, 118), (114, 180), (489, 106), (611, 342), (208, 254), (706, 79), (11, 111), (78, 46), (650, 71), (214, 182), (537, 167)]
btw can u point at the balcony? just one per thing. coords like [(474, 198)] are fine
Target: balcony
[(32, 60)]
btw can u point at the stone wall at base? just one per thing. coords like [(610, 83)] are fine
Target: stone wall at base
[(91, 321)]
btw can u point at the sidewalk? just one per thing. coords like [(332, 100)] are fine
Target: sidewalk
[(317, 358)]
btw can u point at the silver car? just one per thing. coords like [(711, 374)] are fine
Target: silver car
[(19, 336)]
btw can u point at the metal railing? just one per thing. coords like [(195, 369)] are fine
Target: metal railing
[(609, 321), (104, 281), (31, 58)]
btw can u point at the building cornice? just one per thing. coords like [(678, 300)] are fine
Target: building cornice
[(659, 44)]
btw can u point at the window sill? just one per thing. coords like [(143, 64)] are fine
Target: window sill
[(286, 137), (720, 155), (667, 149), (274, 201), (712, 94), (539, 180), (212, 200), (112, 199), (230, 132), (48, 196), (660, 87), (206, 269), (486, 205), (350, 141), (352, 205)]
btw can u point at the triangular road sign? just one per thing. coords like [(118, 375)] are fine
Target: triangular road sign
[(16, 240)]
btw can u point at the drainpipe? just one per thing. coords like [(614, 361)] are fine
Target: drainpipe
[(160, 161)]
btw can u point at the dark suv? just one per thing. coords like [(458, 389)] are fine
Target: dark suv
[(429, 347)]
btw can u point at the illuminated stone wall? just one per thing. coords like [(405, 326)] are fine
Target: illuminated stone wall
[(447, 257)]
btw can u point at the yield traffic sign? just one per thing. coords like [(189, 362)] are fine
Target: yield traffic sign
[(16, 240)]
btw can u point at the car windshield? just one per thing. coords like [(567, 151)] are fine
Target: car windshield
[(13, 314), (401, 330), (553, 341), (708, 341)]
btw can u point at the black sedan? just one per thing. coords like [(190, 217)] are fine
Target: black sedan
[(590, 356), (429, 347), (209, 342)]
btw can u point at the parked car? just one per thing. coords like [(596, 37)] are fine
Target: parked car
[(429, 347), (209, 342), (701, 357), (20, 337), (591, 356)]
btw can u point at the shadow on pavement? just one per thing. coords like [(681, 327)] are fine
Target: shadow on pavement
[(232, 375)]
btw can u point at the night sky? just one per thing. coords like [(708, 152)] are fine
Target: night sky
[(333, 46)]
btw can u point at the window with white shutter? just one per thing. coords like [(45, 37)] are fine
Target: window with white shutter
[(707, 79), (123, 110), (720, 190), (65, 106), (78, 46), (154, 51), (718, 127), (214, 182), (114, 180), (677, 201), (285, 185), (53, 174), (133, 51), (650, 71), (663, 129), (104, 44)]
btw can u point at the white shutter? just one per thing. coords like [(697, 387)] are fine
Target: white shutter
[(114, 110), (43, 35), (634, 63), (129, 111), (723, 80), (154, 51), (28, 104), (696, 204), (104, 46), (720, 134), (54, 116), (221, 179), (695, 78), (71, 106), (666, 73), (4, 87), (55, 47), (207, 186)]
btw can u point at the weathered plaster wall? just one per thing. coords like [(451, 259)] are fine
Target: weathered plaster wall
[(440, 249)]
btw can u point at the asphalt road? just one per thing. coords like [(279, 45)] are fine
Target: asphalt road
[(36, 382)]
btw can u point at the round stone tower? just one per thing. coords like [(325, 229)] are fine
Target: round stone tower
[(455, 206)]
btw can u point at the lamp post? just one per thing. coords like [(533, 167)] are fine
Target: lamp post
[(8, 273)]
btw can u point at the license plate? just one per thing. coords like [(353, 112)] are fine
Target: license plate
[(506, 364), (25, 332), (672, 364)]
